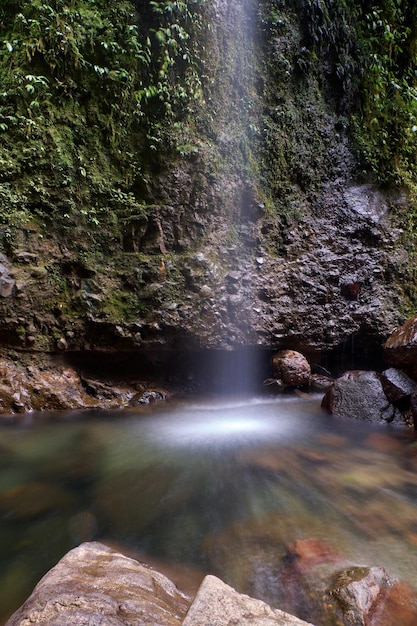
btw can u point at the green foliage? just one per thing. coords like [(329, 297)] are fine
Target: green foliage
[(386, 124), (368, 50), (86, 87)]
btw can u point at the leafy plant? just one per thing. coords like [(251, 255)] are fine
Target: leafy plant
[(86, 87)]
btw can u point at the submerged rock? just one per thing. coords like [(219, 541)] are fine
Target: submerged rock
[(360, 394), (32, 500)]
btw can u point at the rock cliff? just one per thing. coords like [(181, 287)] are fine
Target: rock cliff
[(257, 230)]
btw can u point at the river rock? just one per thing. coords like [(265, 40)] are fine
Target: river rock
[(360, 394), (398, 386), (93, 584), (319, 382), (329, 591), (291, 367), (398, 605), (217, 604), (369, 597), (401, 347)]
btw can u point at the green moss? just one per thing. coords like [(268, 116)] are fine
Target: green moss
[(121, 306), (86, 88)]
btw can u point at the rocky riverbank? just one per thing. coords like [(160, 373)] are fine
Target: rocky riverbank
[(50, 382)]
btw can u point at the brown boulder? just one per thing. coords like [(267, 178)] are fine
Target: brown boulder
[(398, 386), (291, 367), (401, 347), (57, 386)]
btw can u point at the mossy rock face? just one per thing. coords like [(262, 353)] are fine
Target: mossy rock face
[(149, 156)]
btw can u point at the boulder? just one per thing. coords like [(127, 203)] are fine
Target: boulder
[(217, 604), (94, 584), (291, 367), (398, 386), (357, 591), (369, 597), (360, 394), (400, 349)]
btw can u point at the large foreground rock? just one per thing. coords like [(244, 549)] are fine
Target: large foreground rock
[(217, 604), (95, 585)]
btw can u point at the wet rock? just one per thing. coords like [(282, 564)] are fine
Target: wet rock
[(291, 367), (273, 384), (319, 382), (6, 286), (400, 349), (350, 288), (321, 587), (54, 387), (93, 584), (360, 394), (358, 591), (62, 344), (308, 565), (217, 604), (397, 385), (397, 605), (149, 397)]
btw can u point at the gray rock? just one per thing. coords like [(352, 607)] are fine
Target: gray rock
[(217, 604), (359, 394), (397, 385), (6, 286), (95, 585), (358, 591)]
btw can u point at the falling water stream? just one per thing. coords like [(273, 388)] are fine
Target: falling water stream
[(221, 486)]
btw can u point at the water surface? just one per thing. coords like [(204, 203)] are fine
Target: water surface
[(220, 486)]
